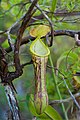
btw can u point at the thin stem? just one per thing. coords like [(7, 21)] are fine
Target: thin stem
[(57, 89), (71, 94)]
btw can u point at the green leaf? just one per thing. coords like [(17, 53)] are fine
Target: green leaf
[(43, 117), (5, 44), (54, 2), (52, 113)]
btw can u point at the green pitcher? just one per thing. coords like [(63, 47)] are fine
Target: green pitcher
[(40, 53)]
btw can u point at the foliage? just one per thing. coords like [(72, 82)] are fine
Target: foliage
[(49, 113)]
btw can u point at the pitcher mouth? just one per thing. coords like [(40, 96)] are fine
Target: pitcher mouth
[(38, 48)]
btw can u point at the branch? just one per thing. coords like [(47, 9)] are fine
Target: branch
[(22, 28), (28, 63), (63, 13), (73, 13), (64, 100), (73, 97), (69, 33), (12, 75), (66, 32), (8, 85), (12, 101)]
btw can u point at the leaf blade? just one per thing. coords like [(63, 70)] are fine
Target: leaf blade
[(52, 113)]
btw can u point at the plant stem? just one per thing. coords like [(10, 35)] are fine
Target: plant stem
[(57, 89)]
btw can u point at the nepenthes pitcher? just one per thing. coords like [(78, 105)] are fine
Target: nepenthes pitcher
[(40, 53)]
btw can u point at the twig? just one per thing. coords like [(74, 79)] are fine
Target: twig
[(9, 31), (64, 100), (9, 40), (64, 13), (68, 55), (73, 97), (55, 68), (28, 63)]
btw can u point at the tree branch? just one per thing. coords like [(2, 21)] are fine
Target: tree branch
[(22, 28), (7, 76), (73, 97), (12, 75), (12, 101), (64, 100), (8, 85), (69, 33)]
